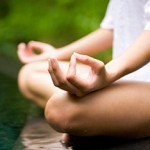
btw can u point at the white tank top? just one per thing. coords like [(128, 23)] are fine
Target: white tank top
[(128, 19)]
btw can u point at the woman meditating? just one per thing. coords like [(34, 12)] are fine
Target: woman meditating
[(81, 95)]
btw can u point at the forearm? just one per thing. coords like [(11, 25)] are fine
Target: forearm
[(91, 44), (137, 55)]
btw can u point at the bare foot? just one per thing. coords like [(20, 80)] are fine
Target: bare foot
[(66, 140)]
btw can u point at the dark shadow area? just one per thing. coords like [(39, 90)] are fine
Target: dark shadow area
[(107, 143)]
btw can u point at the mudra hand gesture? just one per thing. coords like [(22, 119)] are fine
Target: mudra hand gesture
[(26, 52), (79, 85)]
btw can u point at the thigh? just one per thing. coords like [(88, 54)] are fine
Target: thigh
[(122, 109), (36, 79)]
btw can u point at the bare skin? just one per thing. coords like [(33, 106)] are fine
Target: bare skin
[(112, 104), (33, 79), (97, 104), (39, 92), (118, 110), (64, 110)]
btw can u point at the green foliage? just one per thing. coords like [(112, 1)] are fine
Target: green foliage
[(54, 21)]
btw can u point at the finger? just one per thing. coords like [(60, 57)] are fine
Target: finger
[(57, 71), (27, 56), (59, 75), (72, 67), (22, 48), (42, 49), (77, 81), (80, 83), (21, 45), (50, 70), (97, 65), (36, 45), (61, 79), (22, 53)]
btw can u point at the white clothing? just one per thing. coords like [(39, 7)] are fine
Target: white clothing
[(128, 19)]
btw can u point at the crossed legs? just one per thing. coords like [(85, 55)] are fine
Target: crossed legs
[(35, 83), (121, 109)]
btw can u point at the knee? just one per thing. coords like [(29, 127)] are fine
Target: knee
[(23, 77), (61, 113)]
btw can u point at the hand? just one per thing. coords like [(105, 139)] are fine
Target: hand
[(97, 77), (26, 53), (59, 79)]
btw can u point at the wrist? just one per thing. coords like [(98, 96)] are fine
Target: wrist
[(58, 54), (115, 70), (63, 54)]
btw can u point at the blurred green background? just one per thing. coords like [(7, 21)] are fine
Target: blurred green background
[(57, 22)]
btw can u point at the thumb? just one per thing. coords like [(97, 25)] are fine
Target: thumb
[(87, 60)]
